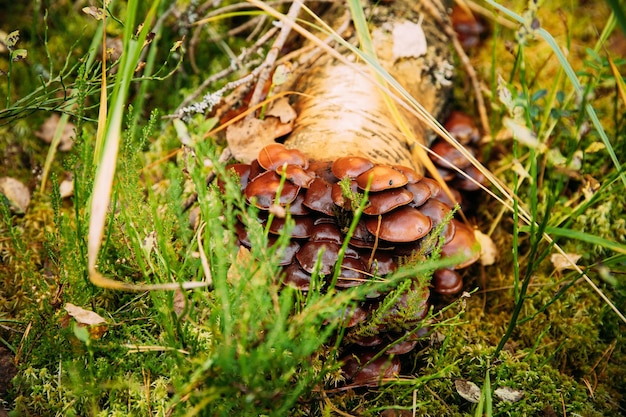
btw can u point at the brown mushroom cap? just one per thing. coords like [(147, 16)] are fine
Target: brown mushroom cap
[(447, 282), (288, 253), (449, 155), (465, 184), (296, 277), (318, 197), (363, 373), (303, 225), (463, 244), (421, 192), (339, 199), (385, 201), (296, 175), (351, 166), (264, 187), (242, 171), (297, 207), (383, 177), (437, 211), (411, 175), (352, 273), (462, 128), (402, 347), (275, 155), (404, 224), (326, 232), (308, 254)]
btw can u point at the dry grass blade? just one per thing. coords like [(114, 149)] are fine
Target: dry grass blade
[(107, 146)]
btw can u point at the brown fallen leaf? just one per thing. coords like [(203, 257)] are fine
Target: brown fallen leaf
[(247, 137), (17, 194), (467, 390), (282, 110), (48, 129), (82, 316)]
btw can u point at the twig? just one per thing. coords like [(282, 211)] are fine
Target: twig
[(245, 54), (268, 64)]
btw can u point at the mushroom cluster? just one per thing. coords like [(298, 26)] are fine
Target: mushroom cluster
[(402, 207)]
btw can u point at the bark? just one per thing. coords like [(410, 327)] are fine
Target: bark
[(342, 111)]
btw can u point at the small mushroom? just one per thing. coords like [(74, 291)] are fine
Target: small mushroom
[(466, 184), (361, 371), (351, 166), (421, 192), (297, 277), (308, 255), (288, 252), (326, 232), (351, 273), (275, 155), (462, 128), (411, 175), (448, 155), (463, 245), (437, 211), (404, 224), (447, 282), (296, 175), (382, 177), (339, 199), (385, 201), (242, 171), (263, 190), (318, 197), (303, 225)]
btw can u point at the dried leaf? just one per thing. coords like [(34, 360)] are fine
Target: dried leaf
[(48, 129), (488, 249), (409, 40), (247, 137), (509, 395), (282, 110), (243, 258), (467, 390), (95, 12), (66, 187), (561, 262), (82, 316), (180, 300), (17, 194)]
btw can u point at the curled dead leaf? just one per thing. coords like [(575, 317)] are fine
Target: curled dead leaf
[(467, 390), (16, 193), (247, 137), (84, 317), (562, 262), (509, 395)]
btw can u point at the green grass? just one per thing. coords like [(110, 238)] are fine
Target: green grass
[(243, 345)]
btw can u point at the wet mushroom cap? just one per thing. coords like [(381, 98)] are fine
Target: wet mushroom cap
[(437, 212), (449, 155), (264, 187), (411, 175), (462, 128), (385, 201), (466, 184), (296, 175), (296, 277), (363, 372), (318, 197), (404, 224), (350, 166), (303, 225), (447, 282), (242, 171), (383, 177), (463, 245), (275, 155), (327, 252), (421, 192)]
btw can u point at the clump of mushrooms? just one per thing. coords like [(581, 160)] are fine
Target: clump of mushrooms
[(402, 208)]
